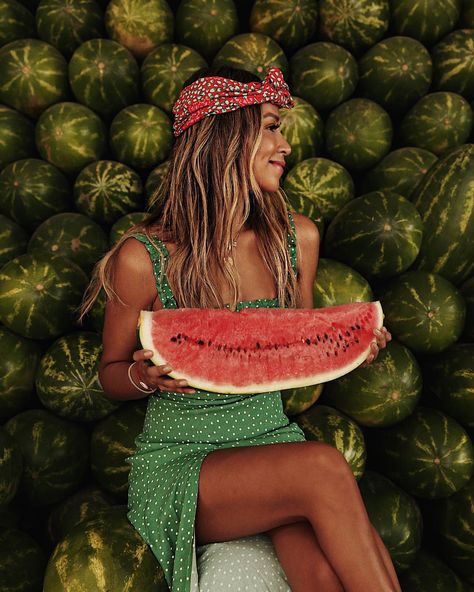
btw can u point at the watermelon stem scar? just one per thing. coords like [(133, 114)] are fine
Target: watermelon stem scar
[(260, 350)]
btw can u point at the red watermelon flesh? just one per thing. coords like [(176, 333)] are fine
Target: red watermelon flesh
[(260, 350)]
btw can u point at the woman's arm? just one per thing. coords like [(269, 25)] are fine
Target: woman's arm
[(134, 284), (307, 240)]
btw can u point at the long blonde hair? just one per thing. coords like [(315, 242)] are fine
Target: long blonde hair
[(209, 181)]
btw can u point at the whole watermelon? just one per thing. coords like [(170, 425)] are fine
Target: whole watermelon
[(11, 467), (19, 359), (449, 382), (428, 454), (40, 293), (13, 240), (337, 283), (55, 455), (103, 554), (395, 515), (445, 200), (18, 136), (22, 561), (381, 393), (112, 441), (67, 380)]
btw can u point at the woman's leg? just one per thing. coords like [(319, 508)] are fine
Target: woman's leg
[(250, 490), (304, 562)]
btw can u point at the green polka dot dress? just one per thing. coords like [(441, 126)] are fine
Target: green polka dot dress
[(178, 433)]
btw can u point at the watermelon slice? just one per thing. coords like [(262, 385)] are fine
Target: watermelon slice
[(260, 349)]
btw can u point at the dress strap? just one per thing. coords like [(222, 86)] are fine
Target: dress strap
[(292, 241), (159, 259)]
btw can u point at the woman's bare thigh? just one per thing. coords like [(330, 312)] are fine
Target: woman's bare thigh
[(249, 490)]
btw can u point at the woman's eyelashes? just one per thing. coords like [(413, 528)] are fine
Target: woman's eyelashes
[(274, 127)]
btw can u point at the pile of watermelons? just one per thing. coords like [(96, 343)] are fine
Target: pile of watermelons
[(381, 160)]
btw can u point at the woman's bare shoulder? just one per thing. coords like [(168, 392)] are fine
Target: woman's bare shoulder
[(306, 230), (133, 256)]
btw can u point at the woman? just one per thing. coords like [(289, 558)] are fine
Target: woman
[(204, 470)]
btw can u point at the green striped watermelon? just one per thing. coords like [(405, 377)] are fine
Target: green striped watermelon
[(395, 515), (70, 136), (106, 190), (453, 67), (449, 382), (429, 574), (17, 136), (424, 311), (425, 21), (33, 76), (400, 171), (139, 25), (81, 506), (33, 190), (395, 73), (337, 283), (153, 182), (291, 23), (378, 234), (437, 122), (124, 224), (324, 74), (253, 52), (71, 235), (55, 455), (165, 70), (358, 134), (218, 18), (304, 205), (381, 393), (112, 441), (453, 523), (352, 23), (302, 127), (39, 294), (13, 240), (428, 454), (19, 359), (11, 467), (104, 554), (326, 424), (104, 76), (300, 399), (67, 380), (467, 290), (16, 22), (68, 23), (23, 561), (141, 136), (445, 200), (325, 182)]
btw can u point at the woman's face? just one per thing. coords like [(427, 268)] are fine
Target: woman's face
[(273, 148)]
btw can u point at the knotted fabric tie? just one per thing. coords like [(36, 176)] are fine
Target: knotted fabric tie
[(214, 95)]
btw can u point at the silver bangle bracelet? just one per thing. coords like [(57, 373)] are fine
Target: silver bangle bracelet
[(146, 388)]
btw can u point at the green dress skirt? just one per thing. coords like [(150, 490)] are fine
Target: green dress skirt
[(178, 433)]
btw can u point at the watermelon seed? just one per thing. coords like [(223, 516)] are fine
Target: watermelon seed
[(357, 327), (326, 337), (308, 341), (258, 345), (356, 340), (200, 342), (318, 338)]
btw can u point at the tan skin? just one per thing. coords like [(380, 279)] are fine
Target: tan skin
[(295, 542)]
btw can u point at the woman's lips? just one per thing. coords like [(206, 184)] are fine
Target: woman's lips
[(279, 166)]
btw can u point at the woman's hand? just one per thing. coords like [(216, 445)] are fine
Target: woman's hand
[(382, 336), (156, 376)]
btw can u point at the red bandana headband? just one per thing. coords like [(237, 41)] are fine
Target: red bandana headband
[(214, 95)]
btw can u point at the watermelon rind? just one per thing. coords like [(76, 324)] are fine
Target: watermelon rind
[(300, 316)]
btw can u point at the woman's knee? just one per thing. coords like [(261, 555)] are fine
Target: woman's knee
[(327, 469)]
